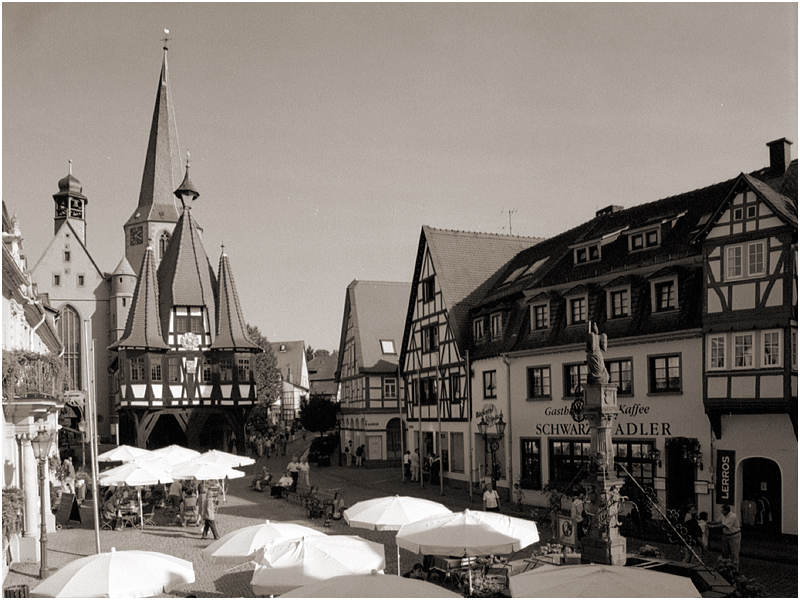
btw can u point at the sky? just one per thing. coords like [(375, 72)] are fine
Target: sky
[(324, 136)]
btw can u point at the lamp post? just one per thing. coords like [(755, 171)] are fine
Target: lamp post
[(41, 448), (492, 441)]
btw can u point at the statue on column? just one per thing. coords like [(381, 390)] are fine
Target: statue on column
[(596, 344)]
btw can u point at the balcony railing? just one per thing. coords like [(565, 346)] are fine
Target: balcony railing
[(27, 373)]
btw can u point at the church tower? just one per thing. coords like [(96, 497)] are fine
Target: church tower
[(71, 205), (157, 213)]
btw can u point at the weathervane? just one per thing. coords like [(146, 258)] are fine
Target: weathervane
[(166, 38)]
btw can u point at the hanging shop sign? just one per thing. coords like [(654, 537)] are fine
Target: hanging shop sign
[(726, 476)]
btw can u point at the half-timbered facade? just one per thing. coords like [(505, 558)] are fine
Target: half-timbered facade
[(452, 271), (367, 371), (750, 338)]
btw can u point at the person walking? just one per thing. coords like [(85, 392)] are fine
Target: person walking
[(694, 535), (348, 453), (69, 476), (731, 534), (491, 499), (407, 466), (208, 512), (576, 513), (303, 472), (415, 466), (294, 472), (359, 455)]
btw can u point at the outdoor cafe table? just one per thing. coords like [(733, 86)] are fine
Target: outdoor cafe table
[(129, 514)]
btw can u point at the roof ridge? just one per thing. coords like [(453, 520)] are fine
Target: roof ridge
[(482, 234)]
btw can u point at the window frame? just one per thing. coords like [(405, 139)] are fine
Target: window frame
[(734, 347), (387, 344), (583, 254), (430, 338), (652, 379), (155, 371), (428, 289), (545, 306), (490, 384), (56, 280), (644, 236), (390, 388), (243, 369), (778, 354), (710, 366), (612, 361), (136, 369), (583, 372), (610, 307), (743, 249), (478, 329), (226, 370), (455, 387), (546, 376), (570, 309), (655, 287), (534, 483), (173, 370), (496, 325)]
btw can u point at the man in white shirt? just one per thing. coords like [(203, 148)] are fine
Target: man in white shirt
[(294, 470), (731, 534), (576, 513)]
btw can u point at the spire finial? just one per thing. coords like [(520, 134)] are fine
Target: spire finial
[(188, 156), (70, 166), (166, 38), (222, 245)]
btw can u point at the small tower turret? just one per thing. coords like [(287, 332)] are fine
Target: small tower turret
[(123, 284), (71, 204)]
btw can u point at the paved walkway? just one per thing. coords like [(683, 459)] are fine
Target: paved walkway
[(245, 507)]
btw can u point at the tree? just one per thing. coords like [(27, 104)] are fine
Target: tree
[(318, 414), (309, 353), (268, 380)]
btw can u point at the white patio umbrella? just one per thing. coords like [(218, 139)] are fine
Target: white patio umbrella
[(288, 564), (468, 533), (177, 454), (196, 469), (241, 545), (135, 474), (124, 574), (599, 581), (217, 457), (373, 585), (390, 513), (122, 453)]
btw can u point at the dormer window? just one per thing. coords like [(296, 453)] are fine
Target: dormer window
[(387, 347), (577, 310), (282, 348), (618, 303), (587, 254), (644, 239), (496, 322), (665, 295), (477, 329), (540, 316)]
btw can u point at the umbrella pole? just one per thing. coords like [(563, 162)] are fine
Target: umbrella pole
[(141, 512), (398, 561)]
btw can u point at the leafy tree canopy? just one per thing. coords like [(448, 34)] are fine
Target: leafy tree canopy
[(318, 414), (268, 380)]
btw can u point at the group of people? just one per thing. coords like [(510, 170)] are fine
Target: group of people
[(358, 452), (414, 468), (697, 526)]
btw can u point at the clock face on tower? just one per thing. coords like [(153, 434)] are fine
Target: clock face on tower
[(136, 236)]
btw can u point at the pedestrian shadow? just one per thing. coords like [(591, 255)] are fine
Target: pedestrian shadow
[(235, 584)]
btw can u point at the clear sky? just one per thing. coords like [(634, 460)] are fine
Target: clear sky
[(323, 136)]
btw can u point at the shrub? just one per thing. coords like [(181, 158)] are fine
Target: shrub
[(323, 446), (12, 511), (746, 587)]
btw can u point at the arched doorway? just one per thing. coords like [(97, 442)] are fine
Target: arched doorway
[(167, 431), (761, 486), (393, 448)]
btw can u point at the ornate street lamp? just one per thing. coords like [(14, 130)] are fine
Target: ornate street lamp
[(41, 448), (654, 454), (492, 441)]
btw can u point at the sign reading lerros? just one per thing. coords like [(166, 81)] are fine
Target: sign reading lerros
[(726, 473)]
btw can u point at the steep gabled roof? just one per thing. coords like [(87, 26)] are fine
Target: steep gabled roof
[(231, 333), (377, 309), (143, 328), (289, 359), (57, 238), (467, 265), (162, 162), (185, 277)]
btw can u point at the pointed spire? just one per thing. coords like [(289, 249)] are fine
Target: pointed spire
[(231, 333), (162, 162), (185, 276), (186, 190), (143, 328)]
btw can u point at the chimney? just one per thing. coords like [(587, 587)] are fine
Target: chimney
[(780, 155), (608, 210)]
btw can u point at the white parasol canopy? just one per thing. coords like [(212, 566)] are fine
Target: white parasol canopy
[(392, 512), (176, 454), (289, 564), (196, 469), (241, 545), (217, 457), (373, 585), (599, 581), (124, 574), (135, 474), (122, 454), (468, 533)]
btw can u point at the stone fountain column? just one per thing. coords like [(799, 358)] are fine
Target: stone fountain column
[(602, 543)]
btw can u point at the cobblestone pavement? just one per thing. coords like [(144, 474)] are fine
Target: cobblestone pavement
[(244, 507)]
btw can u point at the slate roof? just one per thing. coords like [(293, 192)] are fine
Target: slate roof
[(231, 332), (162, 162), (467, 265), (290, 361), (185, 277), (124, 268), (683, 218), (143, 327), (322, 374), (378, 311)]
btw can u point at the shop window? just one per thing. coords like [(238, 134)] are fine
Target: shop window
[(456, 452), (568, 459), (531, 466), (635, 457)]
